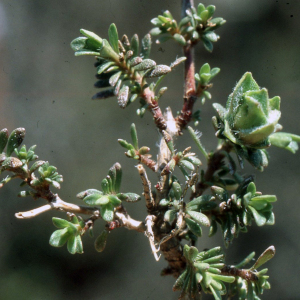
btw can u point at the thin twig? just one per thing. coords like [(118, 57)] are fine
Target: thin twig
[(149, 233), (57, 204), (243, 273), (146, 187), (189, 77), (130, 223)]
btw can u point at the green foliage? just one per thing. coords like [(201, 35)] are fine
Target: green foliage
[(198, 24), (193, 216), (250, 116), (109, 198), (250, 122), (48, 175), (238, 211), (219, 195), (285, 140), (203, 272), (122, 67), (133, 150), (203, 78), (251, 289), (100, 242), (69, 232)]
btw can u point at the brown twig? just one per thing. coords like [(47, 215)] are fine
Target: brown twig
[(190, 96), (154, 108), (243, 273), (146, 187)]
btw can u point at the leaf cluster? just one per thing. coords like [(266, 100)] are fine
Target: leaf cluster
[(122, 67), (203, 273), (238, 211), (110, 197), (198, 24), (69, 232)]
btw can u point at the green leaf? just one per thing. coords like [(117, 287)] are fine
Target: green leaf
[(15, 140), (201, 266), (59, 237), (113, 37), (193, 159), (3, 139), (74, 245), (194, 227), (259, 217), (94, 199), (100, 242), (200, 8), (170, 215), (184, 21), (214, 259), (180, 281), (106, 51), (228, 279), (179, 39), (134, 136), (158, 71), (79, 43), (123, 96), (211, 36), (177, 190), (146, 64), (204, 69), (177, 62), (114, 78), (114, 200), (214, 72), (164, 202), (264, 257), (268, 198), (211, 10), (86, 52), (186, 164), (86, 193), (97, 41), (118, 176), (135, 45), (216, 293), (213, 228), (125, 144), (200, 218), (192, 253), (155, 31), (105, 186), (104, 67), (107, 212), (60, 223), (207, 44), (146, 46), (129, 197)]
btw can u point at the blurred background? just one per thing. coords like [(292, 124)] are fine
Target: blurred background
[(45, 89)]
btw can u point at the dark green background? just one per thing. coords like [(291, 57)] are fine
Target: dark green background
[(45, 89)]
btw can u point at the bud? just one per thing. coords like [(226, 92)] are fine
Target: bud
[(250, 116)]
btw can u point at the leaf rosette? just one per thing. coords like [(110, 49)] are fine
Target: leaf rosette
[(250, 116)]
